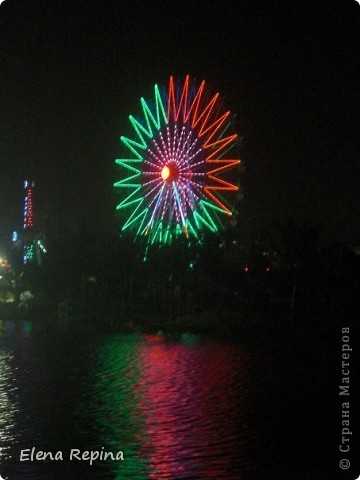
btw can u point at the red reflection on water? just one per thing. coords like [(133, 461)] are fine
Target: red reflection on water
[(153, 338), (191, 404)]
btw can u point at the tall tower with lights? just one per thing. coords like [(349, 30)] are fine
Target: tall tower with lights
[(28, 224), (33, 244)]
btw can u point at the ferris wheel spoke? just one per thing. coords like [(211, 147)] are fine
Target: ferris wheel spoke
[(155, 208), (180, 207)]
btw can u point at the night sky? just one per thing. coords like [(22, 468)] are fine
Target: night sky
[(71, 71)]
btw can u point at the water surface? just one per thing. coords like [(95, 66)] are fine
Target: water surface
[(185, 408)]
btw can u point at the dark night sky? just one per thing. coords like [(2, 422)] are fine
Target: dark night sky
[(71, 71)]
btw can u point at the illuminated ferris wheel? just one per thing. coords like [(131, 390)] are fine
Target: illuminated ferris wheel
[(176, 173)]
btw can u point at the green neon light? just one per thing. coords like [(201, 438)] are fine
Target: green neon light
[(167, 235), (134, 218), (159, 109), (191, 229), (158, 233), (204, 203), (150, 122), (138, 232), (206, 218), (129, 143), (139, 128), (126, 201), (199, 221)]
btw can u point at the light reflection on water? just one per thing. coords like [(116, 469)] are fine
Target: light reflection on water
[(192, 411), (7, 404), (178, 409)]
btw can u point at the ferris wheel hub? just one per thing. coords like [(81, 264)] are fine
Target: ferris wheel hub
[(170, 172)]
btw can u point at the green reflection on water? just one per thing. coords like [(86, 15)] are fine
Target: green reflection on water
[(111, 404)]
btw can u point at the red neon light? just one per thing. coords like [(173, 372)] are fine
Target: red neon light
[(172, 107), (224, 142), (205, 113), (203, 119), (194, 107), (219, 122), (28, 211)]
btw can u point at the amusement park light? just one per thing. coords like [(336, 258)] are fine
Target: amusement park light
[(176, 170)]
